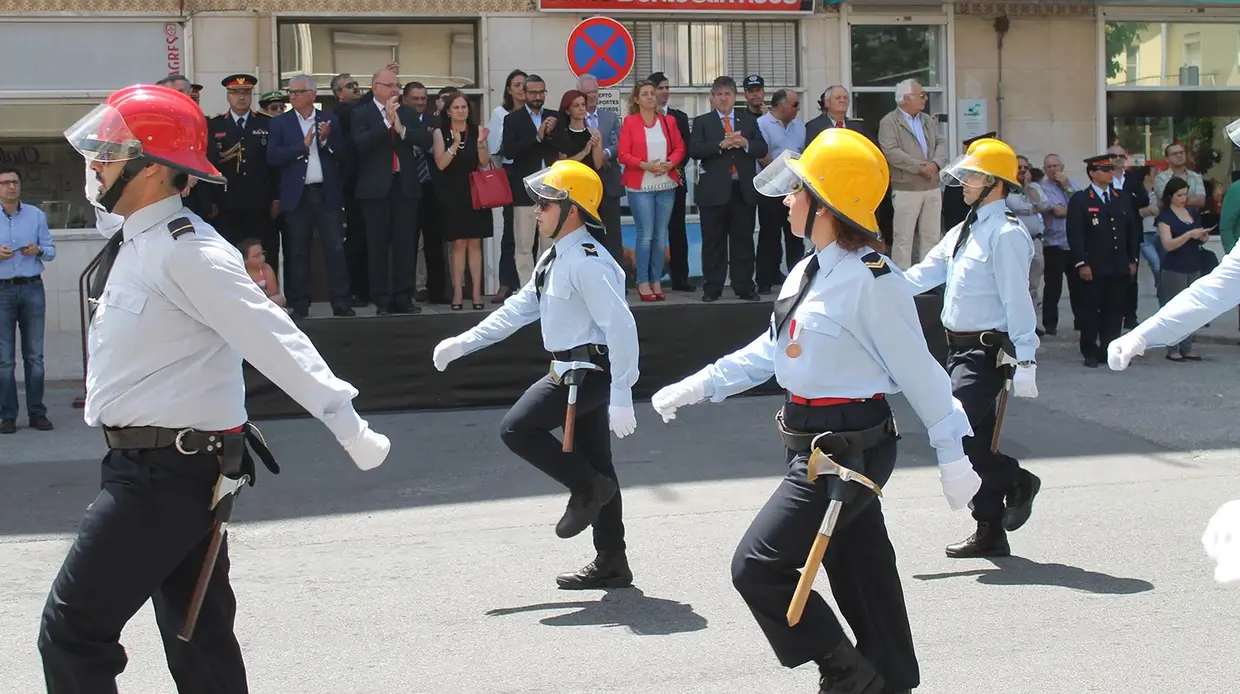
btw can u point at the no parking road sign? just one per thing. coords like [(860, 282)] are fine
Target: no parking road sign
[(602, 47)]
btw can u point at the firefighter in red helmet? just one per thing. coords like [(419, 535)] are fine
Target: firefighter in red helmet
[(174, 312)]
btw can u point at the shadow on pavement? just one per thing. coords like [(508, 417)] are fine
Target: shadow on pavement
[(619, 607), (456, 457), (1019, 571)]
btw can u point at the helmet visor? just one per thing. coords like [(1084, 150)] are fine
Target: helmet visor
[(102, 135), (546, 184), (781, 177), (965, 171), (1233, 132)]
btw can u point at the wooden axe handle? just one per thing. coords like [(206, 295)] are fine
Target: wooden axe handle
[(994, 440), (204, 580), (806, 584), (570, 423)]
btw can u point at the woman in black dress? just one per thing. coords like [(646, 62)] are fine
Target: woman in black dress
[(460, 149)]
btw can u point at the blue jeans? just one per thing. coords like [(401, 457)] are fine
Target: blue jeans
[(22, 307), (1151, 250), (652, 210)]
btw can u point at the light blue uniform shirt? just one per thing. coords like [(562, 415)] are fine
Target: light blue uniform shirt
[(27, 225), (582, 303), (987, 281), (859, 335), (1202, 302)]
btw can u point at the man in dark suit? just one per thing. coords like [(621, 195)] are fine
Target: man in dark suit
[(1131, 188), (1103, 235), (727, 145), (389, 190), (677, 234), (348, 96), (527, 142), (302, 148), (833, 103), (438, 286), (237, 145)]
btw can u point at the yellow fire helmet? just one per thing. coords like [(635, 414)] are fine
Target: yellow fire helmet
[(985, 160), (841, 168), (569, 180)]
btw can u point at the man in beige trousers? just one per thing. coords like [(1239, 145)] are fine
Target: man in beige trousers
[(909, 138)]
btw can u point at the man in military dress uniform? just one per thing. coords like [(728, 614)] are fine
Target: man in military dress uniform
[(1102, 243), (237, 146)]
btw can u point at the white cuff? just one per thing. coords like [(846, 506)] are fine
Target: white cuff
[(345, 424), (621, 397)]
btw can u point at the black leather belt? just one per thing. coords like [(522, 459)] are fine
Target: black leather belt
[(837, 442), (981, 338), (581, 353), (185, 441), (21, 280)]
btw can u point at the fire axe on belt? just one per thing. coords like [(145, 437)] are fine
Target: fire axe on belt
[(236, 470), (571, 373), (821, 464), (1007, 364)]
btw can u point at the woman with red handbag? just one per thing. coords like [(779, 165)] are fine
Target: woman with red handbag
[(460, 149)]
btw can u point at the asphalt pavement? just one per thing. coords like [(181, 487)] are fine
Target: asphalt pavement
[(434, 573)]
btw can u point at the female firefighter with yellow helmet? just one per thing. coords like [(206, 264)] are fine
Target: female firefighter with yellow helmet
[(844, 335), (578, 293), (991, 323)]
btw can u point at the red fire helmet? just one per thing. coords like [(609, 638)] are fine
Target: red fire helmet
[(151, 122)]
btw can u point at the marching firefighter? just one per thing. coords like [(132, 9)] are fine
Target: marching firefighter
[(175, 313), (844, 335), (991, 323), (578, 293)]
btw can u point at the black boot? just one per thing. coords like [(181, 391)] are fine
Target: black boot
[(1020, 501), (584, 505), (845, 671), (608, 570), (989, 541)]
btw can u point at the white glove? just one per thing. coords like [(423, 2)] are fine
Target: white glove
[(1122, 349), (623, 420), (1023, 383), (447, 352), (368, 449), (1222, 541), (670, 398), (959, 482)]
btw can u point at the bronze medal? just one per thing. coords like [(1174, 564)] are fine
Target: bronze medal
[(793, 350)]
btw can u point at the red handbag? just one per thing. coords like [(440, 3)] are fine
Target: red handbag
[(489, 188)]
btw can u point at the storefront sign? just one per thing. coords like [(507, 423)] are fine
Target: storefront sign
[(687, 6), (972, 119), (609, 100), (172, 40)]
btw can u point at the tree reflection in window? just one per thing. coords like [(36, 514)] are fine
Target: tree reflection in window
[(883, 55)]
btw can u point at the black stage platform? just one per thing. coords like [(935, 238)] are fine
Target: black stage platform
[(388, 358)]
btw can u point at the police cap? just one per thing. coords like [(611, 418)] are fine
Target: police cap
[(1101, 161), (754, 82), (239, 82)]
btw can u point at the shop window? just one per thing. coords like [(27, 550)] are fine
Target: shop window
[(884, 55), (693, 54), (437, 54), (53, 178), (1172, 54)]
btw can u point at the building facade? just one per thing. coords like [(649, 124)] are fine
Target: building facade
[(1069, 76)]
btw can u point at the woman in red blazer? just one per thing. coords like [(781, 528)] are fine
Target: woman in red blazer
[(650, 150)]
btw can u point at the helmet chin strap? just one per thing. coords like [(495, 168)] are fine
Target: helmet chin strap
[(131, 170), (566, 206), (810, 216)]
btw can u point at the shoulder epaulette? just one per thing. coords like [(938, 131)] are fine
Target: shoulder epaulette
[(877, 263), (180, 227), (1011, 216), (590, 250)]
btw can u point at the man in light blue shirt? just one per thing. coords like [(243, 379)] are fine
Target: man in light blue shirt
[(25, 244), (783, 131), (984, 263)]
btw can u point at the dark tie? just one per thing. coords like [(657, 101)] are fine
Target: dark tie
[(784, 307), (1106, 199), (964, 231), (424, 171), (110, 249), (540, 278)]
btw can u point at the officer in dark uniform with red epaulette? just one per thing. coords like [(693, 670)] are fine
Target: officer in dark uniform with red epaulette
[(237, 146), (1102, 243)]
